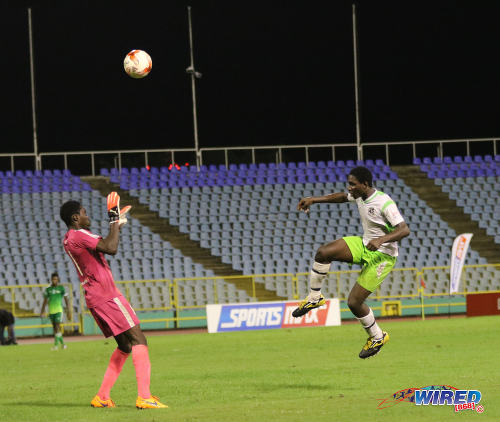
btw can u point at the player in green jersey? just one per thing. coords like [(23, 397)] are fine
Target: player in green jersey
[(54, 295)]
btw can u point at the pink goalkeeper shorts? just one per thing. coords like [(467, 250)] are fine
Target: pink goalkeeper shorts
[(114, 316)]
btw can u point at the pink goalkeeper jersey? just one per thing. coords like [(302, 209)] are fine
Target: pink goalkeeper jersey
[(91, 266)]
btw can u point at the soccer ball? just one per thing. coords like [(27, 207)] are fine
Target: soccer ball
[(137, 64)]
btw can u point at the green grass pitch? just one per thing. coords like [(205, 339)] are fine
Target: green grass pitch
[(297, 374)]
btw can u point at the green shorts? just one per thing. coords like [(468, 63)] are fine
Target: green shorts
[(56, 318), (376, 265)]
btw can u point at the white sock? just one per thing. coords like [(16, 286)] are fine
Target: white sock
[(371, 327), (316, 277)]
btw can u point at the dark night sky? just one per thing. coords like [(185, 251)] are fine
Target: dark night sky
[(274, 72)]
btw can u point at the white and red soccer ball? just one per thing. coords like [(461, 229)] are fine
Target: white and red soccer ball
[(137, 64)]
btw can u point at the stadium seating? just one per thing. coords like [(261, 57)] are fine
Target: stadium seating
[(247, 214), (474, 183), (31, 234)]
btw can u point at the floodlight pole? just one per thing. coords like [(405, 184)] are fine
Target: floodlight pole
[(33, 108), (194, 75), (356, 82)]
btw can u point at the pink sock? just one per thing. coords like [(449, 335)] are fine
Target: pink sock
[(140, 357), (115, 366)]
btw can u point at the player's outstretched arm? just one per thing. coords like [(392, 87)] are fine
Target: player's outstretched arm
[(305, 203)]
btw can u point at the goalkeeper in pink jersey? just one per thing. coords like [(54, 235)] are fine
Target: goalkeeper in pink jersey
[(110, 309)]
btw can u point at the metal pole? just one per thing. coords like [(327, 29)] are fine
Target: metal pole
[(191, 70), (356, 82), (33, 109)]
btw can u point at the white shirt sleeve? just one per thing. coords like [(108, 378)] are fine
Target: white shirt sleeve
[(393, 216)]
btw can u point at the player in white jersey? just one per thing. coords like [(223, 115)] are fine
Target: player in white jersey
[(383, 227)]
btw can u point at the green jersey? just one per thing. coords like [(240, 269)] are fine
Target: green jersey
[(54, 294)]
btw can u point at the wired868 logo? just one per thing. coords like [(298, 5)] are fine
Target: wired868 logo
[(436, 395), (460, 399)]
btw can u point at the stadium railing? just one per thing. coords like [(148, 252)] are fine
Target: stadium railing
[(226, 154)]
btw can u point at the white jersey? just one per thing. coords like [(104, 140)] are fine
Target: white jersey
[(379, 215)]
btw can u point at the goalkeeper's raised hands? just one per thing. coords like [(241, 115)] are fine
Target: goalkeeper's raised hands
[(115, 214)]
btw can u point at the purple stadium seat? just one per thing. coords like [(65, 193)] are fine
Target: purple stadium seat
[(253, 167), (417, 161), (478, 159), (437, 160), (426, 160), (447, 160), (104, 172), (321, 164), (360, 163), (488, 158), (292, 165), (497, 158), (380, 162), (349, 163), (467, 159)]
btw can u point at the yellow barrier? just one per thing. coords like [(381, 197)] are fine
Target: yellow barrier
[(32, 307), (180, 293)]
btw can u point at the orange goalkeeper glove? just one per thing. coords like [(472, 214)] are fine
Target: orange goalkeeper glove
[(114, 212)]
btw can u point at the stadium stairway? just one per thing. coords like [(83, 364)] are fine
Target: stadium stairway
[(181, 241), (447, 208)]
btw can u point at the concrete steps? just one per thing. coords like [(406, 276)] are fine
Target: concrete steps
[(180, 240), (449, 211)]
